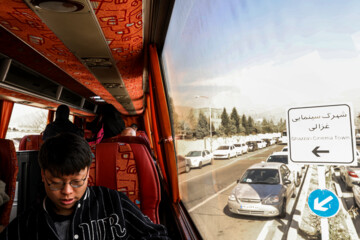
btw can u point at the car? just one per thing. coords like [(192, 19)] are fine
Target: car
[(182, 164), (269, 141), (197, 159), (286, 149), (225, 152), (261, 144), (356, 193), (283, 140), (351, 174), (283, 157), (252, 146), (263, 190), (241, 148)]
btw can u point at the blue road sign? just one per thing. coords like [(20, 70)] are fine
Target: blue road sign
[(323, 203)]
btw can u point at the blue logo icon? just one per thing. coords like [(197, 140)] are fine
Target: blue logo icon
[(323, 203)]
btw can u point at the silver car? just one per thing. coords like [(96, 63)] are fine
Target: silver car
[(263, 190), (351, 174), (356, 192)]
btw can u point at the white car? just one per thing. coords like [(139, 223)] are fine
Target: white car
[(225, 152), (283, 140), (197, 159), (241, 148), (261, 144), (283, 157)]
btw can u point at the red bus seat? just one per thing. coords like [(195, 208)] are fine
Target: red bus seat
[(129, 168), (143, 134), (130, 139), (31, 142), (8, 173)]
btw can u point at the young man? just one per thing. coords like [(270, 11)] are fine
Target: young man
[(71, 209), (61, 124)]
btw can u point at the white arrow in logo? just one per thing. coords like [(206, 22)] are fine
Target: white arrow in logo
[(319, 205)]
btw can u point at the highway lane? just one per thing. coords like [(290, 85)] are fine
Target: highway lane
[(200, 184), (205, 192)]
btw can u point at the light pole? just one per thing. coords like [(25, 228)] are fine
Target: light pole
[(206, 97)]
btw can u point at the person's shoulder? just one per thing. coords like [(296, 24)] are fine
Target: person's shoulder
[(26, 220), (101, 191)]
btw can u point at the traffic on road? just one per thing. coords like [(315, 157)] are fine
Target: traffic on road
[(253, 193)]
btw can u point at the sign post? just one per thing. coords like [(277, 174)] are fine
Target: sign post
[(322, 135)]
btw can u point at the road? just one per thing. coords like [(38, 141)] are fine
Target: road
[(205, 193)]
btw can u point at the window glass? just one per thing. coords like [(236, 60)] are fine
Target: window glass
[(25, 120), (232, 69)]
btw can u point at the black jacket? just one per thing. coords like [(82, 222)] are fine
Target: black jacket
[(100, 214)]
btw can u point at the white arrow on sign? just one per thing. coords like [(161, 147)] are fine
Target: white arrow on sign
[(319, 205)]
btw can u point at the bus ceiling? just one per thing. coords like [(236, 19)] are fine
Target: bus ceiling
[(84, 48)]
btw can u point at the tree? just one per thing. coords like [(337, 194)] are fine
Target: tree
[(251, 126), (225, 123), (174, 116), (202, 129), (232, 130), (191, 118), (281, 126), (256, 127), (244, 123), (266, 126), (234, 116)]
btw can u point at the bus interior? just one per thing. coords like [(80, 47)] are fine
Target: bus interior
[(193, 75)]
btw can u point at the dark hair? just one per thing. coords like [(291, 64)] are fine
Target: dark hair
[(62, 112), (65, 154), (112, 120)]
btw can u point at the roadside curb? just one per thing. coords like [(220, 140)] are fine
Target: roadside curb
[(299, 209)]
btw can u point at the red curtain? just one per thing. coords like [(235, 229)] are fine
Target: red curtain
[(164, 121), (6, 108)]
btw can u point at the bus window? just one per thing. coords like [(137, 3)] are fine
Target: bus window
[(232, 69), (25, 120)]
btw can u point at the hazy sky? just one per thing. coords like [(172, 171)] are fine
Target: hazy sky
[(263, 55)]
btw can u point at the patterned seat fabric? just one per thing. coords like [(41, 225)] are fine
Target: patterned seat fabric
[(31, 142), (130, 139), (129, 168), (8, 173)]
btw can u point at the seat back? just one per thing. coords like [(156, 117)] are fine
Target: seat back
[(8, 173), (31, 142), (130, 139), (144, 135), (129, 168)]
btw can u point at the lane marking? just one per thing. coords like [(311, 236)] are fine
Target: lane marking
[(213, 196), (347, 195), (233, 161), (265, 230)]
